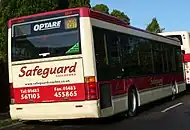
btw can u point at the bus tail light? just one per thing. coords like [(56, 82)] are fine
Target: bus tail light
[(90, 88), (11, 93), (186, 58)]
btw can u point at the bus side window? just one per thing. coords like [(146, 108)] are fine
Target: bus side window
[(114, 54), (130, 56), (165, 58), (145, 56), (171, 60), (157, 57), (103, 71), (178, 58), (125, 54)]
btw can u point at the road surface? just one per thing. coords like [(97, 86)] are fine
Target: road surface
[(163, 115)]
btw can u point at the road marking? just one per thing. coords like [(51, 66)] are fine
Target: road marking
[(176, 105), (12, 125), (4, 114)]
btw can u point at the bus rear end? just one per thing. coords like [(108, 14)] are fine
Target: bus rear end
[(186, 60), (183, 37), (46, 68)]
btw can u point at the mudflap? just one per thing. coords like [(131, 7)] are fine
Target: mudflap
[(106, 105)]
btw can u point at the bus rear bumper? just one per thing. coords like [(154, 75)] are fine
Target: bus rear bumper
[(55, 111)]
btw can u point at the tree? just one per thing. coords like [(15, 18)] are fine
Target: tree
[(120, 15), (154, 26), (79, 3), (63, 4), (102, 8)]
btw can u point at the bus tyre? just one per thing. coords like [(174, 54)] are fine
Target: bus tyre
[(132, 103), (174, 90)]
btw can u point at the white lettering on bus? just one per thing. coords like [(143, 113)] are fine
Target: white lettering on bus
[(65, 94), (45, 72), (65, 91), (48, 25), (30, 96), (24, 91), (65, 88)]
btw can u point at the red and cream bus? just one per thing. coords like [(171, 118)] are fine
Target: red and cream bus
[(79, 63), (184, 38)]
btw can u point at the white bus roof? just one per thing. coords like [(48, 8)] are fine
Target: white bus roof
[(174, 33)]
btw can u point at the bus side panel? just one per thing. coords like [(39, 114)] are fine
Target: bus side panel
[(88, 52), (153, 88), (89, 61), (186, 65)]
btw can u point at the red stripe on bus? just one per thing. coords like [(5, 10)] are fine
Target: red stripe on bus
[(84, 12), (121, 86), (48, 93), (51, 93)]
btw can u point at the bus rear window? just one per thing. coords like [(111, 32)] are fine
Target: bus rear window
[(51, 38), (177, 37)]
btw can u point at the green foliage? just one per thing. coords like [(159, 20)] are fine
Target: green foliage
[(154, 26), (17, 8), (120, 15), (63, 4), (102, 8), (79, 3)]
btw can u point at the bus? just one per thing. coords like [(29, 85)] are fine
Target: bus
[(79, 63), (184, 38)]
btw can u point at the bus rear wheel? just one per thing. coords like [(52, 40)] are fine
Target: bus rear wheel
[(174, 90), (132, 103)]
